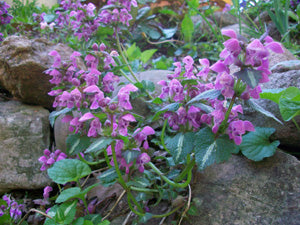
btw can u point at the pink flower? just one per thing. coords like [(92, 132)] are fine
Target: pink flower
[(108, 80), (237, 128), (141, 136), (123, 96), (176, 90), (142, 160), (205, 70), (123, 123)]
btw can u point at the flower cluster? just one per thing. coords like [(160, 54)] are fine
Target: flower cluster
[(253, 56), (15, 209), (90, 97), (120, 13), (45, 200), (5, 18), (50, 158)]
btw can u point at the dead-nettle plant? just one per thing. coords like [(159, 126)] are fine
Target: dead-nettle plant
[(199, 123)]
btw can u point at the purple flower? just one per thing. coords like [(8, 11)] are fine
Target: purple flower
[(205, 70), (142, 160), (108, 81), (176, 90), (141, 136), (50, 158), (95, 128), (123, 96), (237, 128), (123, 123), (194, 116), (225, 82), (15, 210), (57, 59)]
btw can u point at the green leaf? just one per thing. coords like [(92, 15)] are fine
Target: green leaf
[(130, 155), (260, 109), (133, 52), (67, 194), (187, 28), (157, 101), (148, 85), (95, 218), (77, 143), (108, 176), (141, 182), (180, 145), (204, 107), (256, 145), (143, 12), (189, 82), (210, 94), (68, 170), (99, 144), (292, 93), (66, 212), (146, 217), (171, 107), (209, 151), (146, 55), (169, 32), (249, 76), (272, 94), (53, 115), (74, 192), (289, 108)]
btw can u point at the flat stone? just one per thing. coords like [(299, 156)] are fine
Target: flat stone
[(24, 134)]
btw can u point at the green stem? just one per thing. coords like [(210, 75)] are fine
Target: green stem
[(147, 190), (123, 73), (128, 65), (162, 136), (224, 123), (190, 166), (167, 214), (124, 58), (121, 180), (296, 124), (107, 159), (172, 183), (154, 216), (90, 163)]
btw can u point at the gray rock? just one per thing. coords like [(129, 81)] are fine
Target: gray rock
[(22, 66), (286, 66), (241, 191), (24, 134), (225, 19)]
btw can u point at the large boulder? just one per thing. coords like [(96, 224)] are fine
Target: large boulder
[(22, 65), (224, 19), (24, 134), (241, 191)]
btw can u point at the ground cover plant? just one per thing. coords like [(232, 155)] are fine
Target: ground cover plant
[(194, 121)]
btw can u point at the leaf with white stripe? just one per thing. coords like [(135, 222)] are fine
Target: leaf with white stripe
[(209, 150), (99, 145), (180, 145)]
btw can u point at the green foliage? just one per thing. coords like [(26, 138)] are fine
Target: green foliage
[(257, 146), (209, 150), (249, 76), (187, 28), (288, 100), (180, 146), (77, 143), (68, 170), (62, 214)]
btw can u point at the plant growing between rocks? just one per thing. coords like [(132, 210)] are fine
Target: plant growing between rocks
[(197, 111)]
